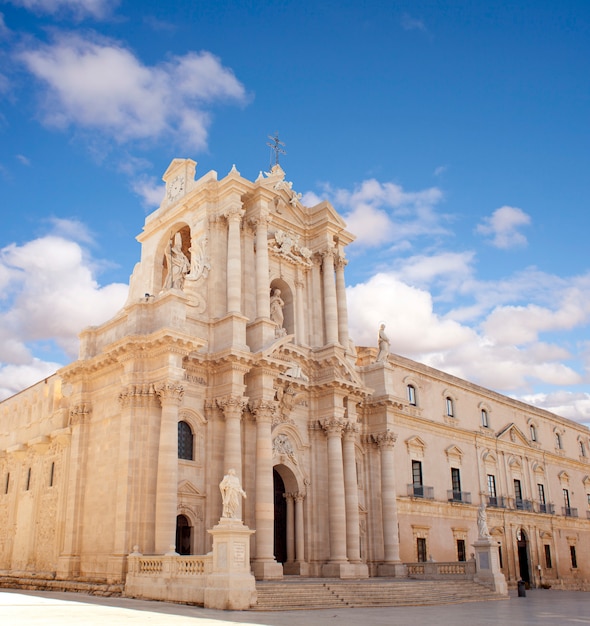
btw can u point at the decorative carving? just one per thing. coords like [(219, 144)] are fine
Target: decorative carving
[(332, 426), (263, 409), (170, 391), (200, 261), (287, 398), (385, 439), (178, 264), (286, 245), (79, 414), (281, 444), (138, 395), (232, 405), (383, 345)]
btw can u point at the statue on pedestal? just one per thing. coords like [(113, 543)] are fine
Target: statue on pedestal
[(231, 492), (482, 522), (383, 345)]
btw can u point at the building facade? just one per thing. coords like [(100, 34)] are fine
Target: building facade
[(232, 352)]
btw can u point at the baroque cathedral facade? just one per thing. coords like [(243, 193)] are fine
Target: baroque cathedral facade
[(232, 352)]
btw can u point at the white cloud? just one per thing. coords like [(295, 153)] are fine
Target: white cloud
[(379, 213), (49, 294), (23, 159), (101, 85), (150, 191), (410, 23), (570, 404), (97, 9), (503, 227), (15, 378)]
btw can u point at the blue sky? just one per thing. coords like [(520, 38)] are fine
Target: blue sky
[(453, 136)]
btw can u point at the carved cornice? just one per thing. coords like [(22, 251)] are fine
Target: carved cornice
[(79, 414), (138, 395)]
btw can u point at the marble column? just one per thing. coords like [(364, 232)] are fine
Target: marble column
[(232, 408), (262, 266), (336, 496), (351, 492), (265, 565), (330, 300), (234, 260), (299, 528), (300, 334), (170, 395), (341, 263), (289, 497), (386, 442)]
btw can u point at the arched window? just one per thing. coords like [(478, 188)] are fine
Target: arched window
[(449, 402), (533, 432), (558, 442), (582, 448), (185, 441), (412, 395), (484, 419)]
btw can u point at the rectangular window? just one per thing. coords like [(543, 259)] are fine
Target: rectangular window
[(412, 395), (456, 482), (500, 557), (484, 418), (8, 484), (461, 554), (492, 486), (421, 546), (51, 473), (573, 557), (417, 478), (566, 498), (28, 480), (548, 563), (541, 489), (449, 402), (518, 493)]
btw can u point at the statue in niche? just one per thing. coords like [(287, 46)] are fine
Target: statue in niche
[(383, 345), (199, 260), (231, 492), (276, 308), (179, 264), (482, 522)]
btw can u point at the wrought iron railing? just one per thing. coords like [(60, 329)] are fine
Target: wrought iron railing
[(459, 496), (421, 491)]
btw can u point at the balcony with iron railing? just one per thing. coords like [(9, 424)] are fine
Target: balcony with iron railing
[(569, 511), (459, 496), (498, 502), (421, 491), (523, 505), (546, 507)]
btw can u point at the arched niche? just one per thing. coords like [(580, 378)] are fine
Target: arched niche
[(288, 306), (182, 233)]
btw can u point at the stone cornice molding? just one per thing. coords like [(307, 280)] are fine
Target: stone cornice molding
[(138, 395), (169, 392)]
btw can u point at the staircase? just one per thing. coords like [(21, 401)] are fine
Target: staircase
[(322, 593)]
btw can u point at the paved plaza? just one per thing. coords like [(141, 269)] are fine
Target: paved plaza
[(540, 607)]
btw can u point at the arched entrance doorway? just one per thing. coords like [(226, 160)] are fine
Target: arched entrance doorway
[(523, 556), (183, 535), (280, 549)]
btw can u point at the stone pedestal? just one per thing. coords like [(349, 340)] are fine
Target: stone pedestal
[(488, 565), (230, 332), (230, 584), (260, 334), (392, 570), (345, 570)]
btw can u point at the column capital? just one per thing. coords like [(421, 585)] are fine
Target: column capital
[(263, 410), (170, 392), (138, 395), (329, 253), (232, 406), (234, 214), (350, 430), (332, 426), (340, 261), (385, 439), (263, 218)]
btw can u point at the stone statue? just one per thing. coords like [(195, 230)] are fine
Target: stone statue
[(482, 522), (231, 492), (383, 345), (179, 265), (276, 308)]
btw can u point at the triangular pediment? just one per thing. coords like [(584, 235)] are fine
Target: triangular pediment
[(512, 433), (186, 488)]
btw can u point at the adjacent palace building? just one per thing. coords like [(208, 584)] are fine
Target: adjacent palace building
[(233, 352)]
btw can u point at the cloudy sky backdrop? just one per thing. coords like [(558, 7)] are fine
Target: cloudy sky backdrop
[(453, 136)]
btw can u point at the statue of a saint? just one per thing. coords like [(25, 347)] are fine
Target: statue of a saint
[(179, 264), (276, 308), (482, 522), (231, 492), (383, 344)]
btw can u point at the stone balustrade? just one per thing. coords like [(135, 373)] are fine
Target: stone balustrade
[(430, 570)]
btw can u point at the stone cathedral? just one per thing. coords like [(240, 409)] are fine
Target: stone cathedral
[(232, 352)]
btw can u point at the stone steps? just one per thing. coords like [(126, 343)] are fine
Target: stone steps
[(327, 594), (49, 584)]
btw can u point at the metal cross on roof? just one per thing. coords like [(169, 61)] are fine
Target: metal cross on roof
[(277, 147)]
